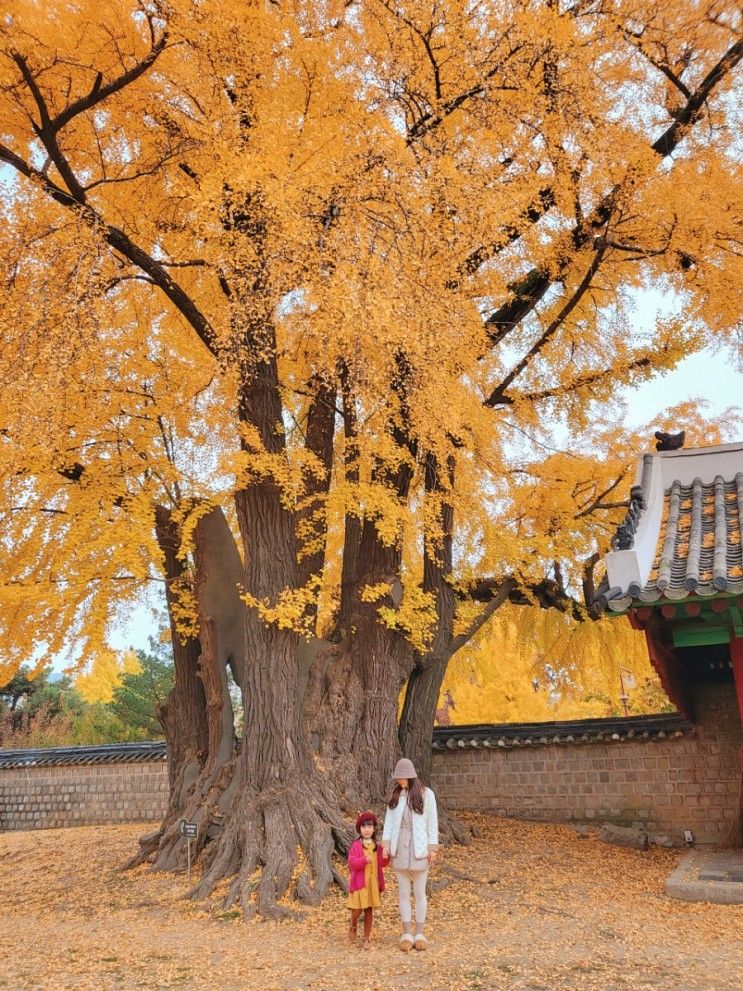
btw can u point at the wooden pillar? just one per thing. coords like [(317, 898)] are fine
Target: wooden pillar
[(736, 656), (669, 670)]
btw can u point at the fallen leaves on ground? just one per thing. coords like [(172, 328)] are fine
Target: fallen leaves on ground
[(528, 907)]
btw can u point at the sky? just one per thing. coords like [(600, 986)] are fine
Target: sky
[(717, 378)]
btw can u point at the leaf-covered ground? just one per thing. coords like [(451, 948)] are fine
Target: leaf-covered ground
[(530, 907)]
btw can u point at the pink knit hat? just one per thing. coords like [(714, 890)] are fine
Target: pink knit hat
[(365, 817)]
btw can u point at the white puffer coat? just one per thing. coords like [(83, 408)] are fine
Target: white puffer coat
[(425, 825)]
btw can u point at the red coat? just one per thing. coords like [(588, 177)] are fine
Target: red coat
[(357, 866)]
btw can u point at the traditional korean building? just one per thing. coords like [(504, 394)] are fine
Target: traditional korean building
[(676, 571)]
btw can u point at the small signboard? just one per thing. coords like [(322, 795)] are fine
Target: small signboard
[(190, 831)]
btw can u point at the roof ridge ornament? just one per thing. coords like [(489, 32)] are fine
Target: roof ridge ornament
[(624, 538), (669, 442)]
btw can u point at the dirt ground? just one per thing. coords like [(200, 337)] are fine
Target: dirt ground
[(537, 909)]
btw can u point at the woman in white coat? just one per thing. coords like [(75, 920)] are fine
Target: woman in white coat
[(411, 837)]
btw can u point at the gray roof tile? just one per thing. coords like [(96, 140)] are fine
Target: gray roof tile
[(699, 545), (682, 533), (514, 735)]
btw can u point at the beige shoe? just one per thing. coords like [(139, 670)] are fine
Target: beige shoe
[(406, 942), (420, 943)]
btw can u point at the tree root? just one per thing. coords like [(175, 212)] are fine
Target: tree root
[(165, 849), (277, 846), (452, 830)]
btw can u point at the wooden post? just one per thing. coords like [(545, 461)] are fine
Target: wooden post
[(736, 657)]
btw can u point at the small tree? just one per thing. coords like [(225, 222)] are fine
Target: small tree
[(137, 700), (38, 710), (20, 686)]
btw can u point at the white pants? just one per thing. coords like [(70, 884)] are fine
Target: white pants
[(415, 882)]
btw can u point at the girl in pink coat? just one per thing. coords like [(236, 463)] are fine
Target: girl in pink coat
[(365, 862)]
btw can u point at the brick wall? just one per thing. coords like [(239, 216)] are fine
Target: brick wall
[(692, 782), (82, 794)]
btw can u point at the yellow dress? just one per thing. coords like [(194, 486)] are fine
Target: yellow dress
[(368, 896)]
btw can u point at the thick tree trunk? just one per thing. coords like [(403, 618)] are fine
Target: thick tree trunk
[(312, 528), (352, 518), (199, 784), (220, 578), (279, 803), (424, 684), (423, 687), (274, 795), (351, 711), (382, 659), (418, 714), (183, 715), (351, 701)]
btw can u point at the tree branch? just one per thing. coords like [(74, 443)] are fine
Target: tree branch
[(121, 242), (598, 501), (499, 595), (495, 398), (46, 132), (544, 201), (430, 120), (530, 290), (547, 594), (589, 584), (635, 39), (100, 92), (686, 116)]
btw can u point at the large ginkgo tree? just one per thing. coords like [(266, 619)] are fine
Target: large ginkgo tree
[(294, 296)]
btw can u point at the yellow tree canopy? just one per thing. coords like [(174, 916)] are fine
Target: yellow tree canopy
[(104, 673), (446, 209), (536, 665), (272, 270)]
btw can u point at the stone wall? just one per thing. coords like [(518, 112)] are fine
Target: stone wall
[(82, 794), (690, 782), (670, 785)]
